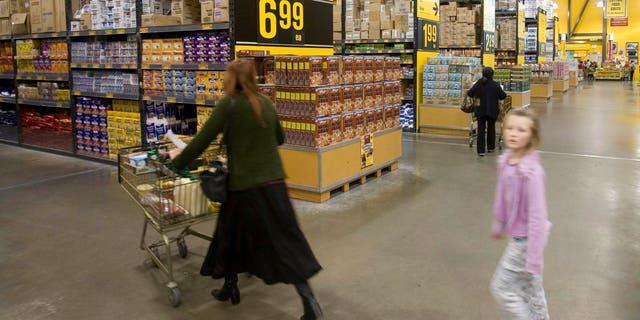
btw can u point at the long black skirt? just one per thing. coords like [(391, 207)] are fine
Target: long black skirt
[(257, 232)]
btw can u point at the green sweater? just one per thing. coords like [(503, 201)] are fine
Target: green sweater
[(253, 156)]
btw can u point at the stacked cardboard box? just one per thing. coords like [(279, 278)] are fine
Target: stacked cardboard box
[(531, 9), (107, 14), (5, 17), (161, 7), (463, 25), (337, 20), (214, 11), (187, 10), (47, 16), (375, 19), (506, 4), (506, 32)]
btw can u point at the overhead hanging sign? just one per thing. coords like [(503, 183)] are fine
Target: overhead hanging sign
[(286, 22), (616, 8), (429, 10)]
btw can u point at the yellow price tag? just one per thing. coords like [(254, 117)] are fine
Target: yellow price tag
[(171, 99), (166, 66), (92, 33), (313, 97), (120, 31), (203, 67), (109, 95), (77, 93), (146, 98), (146, 66), (144, 30), (76, 33), (108, 66), (199, 101), (108, 31), (207, 27), (313, 127)]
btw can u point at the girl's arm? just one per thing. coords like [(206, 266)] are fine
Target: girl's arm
[(499, 215), (537, 221)]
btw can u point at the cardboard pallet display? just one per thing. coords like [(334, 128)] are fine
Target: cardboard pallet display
[(373, 19), (463, 25)]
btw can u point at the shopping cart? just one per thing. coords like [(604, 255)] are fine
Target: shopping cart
[(505, 107), (170, 205)]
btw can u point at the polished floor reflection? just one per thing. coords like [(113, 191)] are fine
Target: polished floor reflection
[(413, 244)]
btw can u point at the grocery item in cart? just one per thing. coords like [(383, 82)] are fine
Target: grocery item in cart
[(162, 206)]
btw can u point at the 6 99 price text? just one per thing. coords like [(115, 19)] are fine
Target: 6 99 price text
[(281, 18)]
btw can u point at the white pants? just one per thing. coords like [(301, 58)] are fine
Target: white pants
[(518, 293)]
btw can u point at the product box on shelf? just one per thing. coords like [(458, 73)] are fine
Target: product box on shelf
[(20, 23), (155, 20), (336, 128)]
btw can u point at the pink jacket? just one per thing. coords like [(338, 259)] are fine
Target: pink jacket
[(520, 206)]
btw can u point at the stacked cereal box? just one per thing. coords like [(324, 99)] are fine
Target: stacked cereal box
[(445, 79), (325, 100)]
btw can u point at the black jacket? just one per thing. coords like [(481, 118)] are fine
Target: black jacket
[(489, 92)]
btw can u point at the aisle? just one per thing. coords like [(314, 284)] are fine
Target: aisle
[(411, 245)]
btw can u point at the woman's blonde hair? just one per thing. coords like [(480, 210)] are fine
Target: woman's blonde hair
[(535, 140), (240, 77)]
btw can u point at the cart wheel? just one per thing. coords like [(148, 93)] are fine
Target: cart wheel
[(156, 253), (182, 248), (174, 297)]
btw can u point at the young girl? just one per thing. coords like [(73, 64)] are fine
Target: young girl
[(520, 211)]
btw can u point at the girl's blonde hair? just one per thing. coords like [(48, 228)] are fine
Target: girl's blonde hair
[(240, 77), (535, 140)]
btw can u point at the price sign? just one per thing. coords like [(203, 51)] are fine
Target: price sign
[(276, 16), (428, 35), (489, 42), (292, 22)]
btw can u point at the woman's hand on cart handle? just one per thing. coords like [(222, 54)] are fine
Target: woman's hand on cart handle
[(174, 153)]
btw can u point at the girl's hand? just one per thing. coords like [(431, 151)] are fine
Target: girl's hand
[(497, 235)]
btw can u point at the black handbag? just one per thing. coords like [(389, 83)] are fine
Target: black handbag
[(215, 180), (468, 104)]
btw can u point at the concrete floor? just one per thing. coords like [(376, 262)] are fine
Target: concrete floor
[(412, 245)]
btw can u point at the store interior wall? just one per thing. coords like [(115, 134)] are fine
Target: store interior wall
[(592, 22)]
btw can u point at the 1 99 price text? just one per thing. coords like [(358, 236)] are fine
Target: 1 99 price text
[(276, 17), (428, 35)]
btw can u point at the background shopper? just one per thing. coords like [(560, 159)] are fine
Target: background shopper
[(489, 92), (520, 211), (257, 230)]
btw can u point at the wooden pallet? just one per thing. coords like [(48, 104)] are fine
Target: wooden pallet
[(540, 99), (319, 197)]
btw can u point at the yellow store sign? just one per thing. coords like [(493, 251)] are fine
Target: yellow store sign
[(429, 10), (616, 8)]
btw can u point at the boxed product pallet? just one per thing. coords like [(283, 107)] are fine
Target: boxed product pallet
[(506, 4), (372, 19), (463, 25), (445, 79), (506, 29)]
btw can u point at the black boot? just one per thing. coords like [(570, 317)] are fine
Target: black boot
[(228, 291), (312, 309)]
